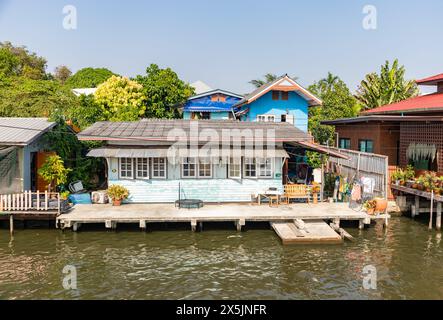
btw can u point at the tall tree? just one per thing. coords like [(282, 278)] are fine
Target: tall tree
[(121, 99), (89, 78), (164, 90), (62, 73), (388, 87), (269, 77), (338, 102), (19, 61)]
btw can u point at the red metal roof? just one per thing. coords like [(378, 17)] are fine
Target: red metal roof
[(431, 80), (429, 102)]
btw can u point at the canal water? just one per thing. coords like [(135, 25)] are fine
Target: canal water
[(221, 264)]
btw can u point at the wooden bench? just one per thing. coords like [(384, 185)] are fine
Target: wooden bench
[(295, 191)]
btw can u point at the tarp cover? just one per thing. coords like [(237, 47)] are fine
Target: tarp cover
[(205, 104)]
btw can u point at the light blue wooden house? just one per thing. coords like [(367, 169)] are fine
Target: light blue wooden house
[(282, 100), (214, 104), (164, 160)]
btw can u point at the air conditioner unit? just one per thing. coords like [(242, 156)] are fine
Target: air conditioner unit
[(100, 197)]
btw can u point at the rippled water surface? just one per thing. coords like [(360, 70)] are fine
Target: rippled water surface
[(219, 264)]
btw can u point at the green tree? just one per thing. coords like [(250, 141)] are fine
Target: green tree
[(338, 102), (24, 97), (62, 73), (86, 112), (164, 90), (269, 77), (121, 99), (388, 87), (53, 171), (18, 61), (89, 78)]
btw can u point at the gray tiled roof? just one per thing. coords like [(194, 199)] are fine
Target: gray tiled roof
[(22, 131), (159, 129)]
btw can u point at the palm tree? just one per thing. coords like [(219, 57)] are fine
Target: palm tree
[(269, 77), (388, 87), (328, 83)]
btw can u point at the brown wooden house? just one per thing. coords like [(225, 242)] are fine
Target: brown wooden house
[(408, 132)]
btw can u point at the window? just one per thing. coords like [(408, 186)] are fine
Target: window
[(234, 170), (142, 165), (200, 115), (344, 143), (188, 168), (275, 95), (265, 168), (250, 168), (289, 118), (366, 146), (266, 118), (204, 168), (158, 168), (285, 95), (126, 168)]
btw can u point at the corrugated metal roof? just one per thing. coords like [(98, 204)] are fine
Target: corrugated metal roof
[(22, 131), (191, 130), (430, 81)]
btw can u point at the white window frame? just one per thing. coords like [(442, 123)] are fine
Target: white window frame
[(263, 161), (187, 161), (137, 171), (204, 162), (120, 170), (232, 162), (245, 164), (153, 172), (266, 118)]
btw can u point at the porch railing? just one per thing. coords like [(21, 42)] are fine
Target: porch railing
[(31, 201)]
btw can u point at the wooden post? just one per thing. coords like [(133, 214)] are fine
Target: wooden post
[(194, 225), (431, 214), (438, 222), (76, 226), (108, 224), (46, 200), (337, 222), (142, 224), (58, 204), (361, 224), (11, 224), (38, 200), (239, 224)]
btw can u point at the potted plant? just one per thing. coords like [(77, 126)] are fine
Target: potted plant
[(370, 206), (64, 195), (117, 193), (398, 177), (380, 205)]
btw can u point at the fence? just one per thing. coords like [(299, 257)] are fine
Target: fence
[(363, 164), (31, 201)]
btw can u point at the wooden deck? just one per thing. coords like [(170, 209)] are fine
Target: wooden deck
[(143, 214), (416, 208)]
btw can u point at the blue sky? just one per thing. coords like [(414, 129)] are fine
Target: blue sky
[(227, 43)]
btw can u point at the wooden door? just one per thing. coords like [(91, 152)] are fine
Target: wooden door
[(41, 158)]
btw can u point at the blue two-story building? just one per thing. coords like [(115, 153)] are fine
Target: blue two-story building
[(282, 100)]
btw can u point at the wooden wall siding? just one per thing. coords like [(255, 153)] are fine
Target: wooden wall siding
[(216, 189), (384, 135), (208, 190), (431, 133)]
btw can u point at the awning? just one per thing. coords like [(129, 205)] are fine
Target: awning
[(320, 149), (199, 153), (128, 153)]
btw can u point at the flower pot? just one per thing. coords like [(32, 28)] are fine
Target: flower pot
[(315, 197), (381, 205), (370, 211), (116, 202)]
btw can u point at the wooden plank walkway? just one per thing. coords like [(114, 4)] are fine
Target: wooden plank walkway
[(143, 214), (309, 232)]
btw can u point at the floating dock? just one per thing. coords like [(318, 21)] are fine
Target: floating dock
[(306, 232)]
